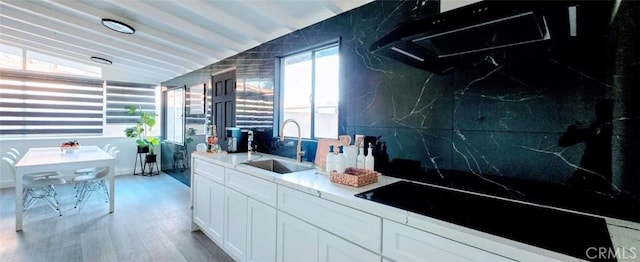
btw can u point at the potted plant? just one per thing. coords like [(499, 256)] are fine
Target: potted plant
[(146, 122)]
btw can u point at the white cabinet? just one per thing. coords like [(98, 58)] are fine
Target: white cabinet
[(404, 243), (300, 241), (256, 188), (359, 227), (235, 241), (208, 198), (250, 231), (201, 198), (332, 248), (216, 205), (212, 171), (297, 240), (254, 219), (261, 232), (208, 207)]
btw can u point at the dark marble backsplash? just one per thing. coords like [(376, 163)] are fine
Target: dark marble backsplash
[(556, 123)]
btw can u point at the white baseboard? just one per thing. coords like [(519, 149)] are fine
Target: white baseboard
[(8, 183)]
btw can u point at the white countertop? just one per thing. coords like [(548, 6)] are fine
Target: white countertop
[(317, 183)]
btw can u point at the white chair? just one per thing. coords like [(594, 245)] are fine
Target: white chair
[(106, 147), (92, 182), (15, 155), (15, 151), (113, 151), (35, 189)]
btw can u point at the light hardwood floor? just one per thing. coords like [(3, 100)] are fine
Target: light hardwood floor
[(151, 222)]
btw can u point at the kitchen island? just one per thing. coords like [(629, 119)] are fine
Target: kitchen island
[(254, 214)]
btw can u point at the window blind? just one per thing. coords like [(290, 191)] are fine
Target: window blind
[(254, 104), (196, 108), (122, 94), (253, 113), (35, 105)]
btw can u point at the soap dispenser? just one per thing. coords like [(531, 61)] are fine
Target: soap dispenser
[(330, 160), (369, 161), (341, 161)]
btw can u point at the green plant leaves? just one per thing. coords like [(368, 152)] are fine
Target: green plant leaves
[(145, 123)]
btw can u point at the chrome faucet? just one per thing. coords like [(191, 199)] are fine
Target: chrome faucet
[(299, 152)]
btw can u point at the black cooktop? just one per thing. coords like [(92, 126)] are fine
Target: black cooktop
[(563, 232)]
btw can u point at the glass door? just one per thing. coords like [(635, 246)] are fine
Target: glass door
[(175, 116)]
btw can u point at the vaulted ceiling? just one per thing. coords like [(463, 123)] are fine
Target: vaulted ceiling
[(172, 37)]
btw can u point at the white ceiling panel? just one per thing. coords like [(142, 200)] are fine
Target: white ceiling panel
[(172, 37)]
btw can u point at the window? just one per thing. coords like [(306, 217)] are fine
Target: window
[(197, 111), (310, 91), (50, 64), (10, 57), (175, 111), (43, 95), (37, 105), (122, 94), (16, 58)]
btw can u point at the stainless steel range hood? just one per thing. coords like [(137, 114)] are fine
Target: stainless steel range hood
[(436, 43)]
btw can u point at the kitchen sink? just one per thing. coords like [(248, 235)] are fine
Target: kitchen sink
[(277, 166)]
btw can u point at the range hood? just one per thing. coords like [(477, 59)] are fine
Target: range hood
[(438, 42)]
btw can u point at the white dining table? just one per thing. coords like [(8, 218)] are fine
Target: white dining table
[(43, 159)]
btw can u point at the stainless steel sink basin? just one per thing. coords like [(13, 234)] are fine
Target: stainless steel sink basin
[(277, 166)]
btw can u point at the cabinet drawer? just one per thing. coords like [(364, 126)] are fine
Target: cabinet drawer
[(256, 188), (297, 240), (359, 227), (404, 243), (212, 171), (332, 248)]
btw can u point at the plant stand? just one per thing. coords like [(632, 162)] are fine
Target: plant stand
[(150, 161), (141, 157)]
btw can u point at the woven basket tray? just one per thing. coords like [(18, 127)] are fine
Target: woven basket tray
[(355, 177)]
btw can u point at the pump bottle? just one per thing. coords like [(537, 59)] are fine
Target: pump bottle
[(341, 161), (360, 158), (330, 160), (369, 161)]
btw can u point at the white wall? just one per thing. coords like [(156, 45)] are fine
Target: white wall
[(124, 161)]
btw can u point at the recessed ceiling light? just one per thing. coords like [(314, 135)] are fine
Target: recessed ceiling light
[(117, 26), (101, 60)]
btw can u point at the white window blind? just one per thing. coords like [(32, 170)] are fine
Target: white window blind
[(121, 94), (196, 108), (37, 105)]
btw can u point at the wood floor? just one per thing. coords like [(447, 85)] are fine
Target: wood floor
[(151, 222)]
